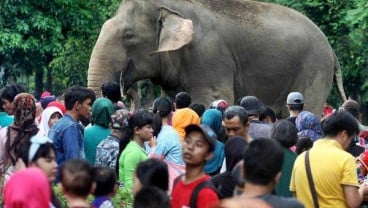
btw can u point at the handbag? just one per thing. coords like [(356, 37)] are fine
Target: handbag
[(310, 181)]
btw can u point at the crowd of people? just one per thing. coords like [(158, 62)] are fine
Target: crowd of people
[(178, 153)]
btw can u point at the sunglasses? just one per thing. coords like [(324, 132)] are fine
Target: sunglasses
[(36, 142)]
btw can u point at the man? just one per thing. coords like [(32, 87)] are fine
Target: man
[(198, 147), (333, 170), (67, 133), (353, 108), (263, 160), (254, 108), (236, 122), (295, 104), (7, 97)]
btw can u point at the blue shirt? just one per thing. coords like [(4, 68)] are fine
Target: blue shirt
[(169, 146), (67, 135)]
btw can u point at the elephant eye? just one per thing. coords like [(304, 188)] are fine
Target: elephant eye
[(128, 35)]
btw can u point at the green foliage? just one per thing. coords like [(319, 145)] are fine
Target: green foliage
[(50, 37), (345, 23), (122, 199)]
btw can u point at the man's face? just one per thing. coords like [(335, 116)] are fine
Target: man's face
[(84, 108), (196, 149), (233, 127), (8, 106)]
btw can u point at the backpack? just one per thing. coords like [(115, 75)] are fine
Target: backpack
[(194, 196)]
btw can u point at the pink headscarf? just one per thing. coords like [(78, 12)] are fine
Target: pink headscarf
[(21, 192)]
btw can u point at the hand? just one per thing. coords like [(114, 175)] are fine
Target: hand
[(153, 142)]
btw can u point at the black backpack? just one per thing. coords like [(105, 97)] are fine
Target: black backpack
[(194, 196)]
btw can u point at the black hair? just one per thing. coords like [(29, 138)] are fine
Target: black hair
[(105, 179), (268, 112), (111, 90), (236, 110), (162, 108), (234, 148), (10, 91), (198, 108), (153, 172), (42, 152), (339, 121), (182, 100), (139, 119), (303, 144), (263, 158), (296, 107), (285, 133), (77, 177), (353, 111), (77, 94), (151, 197)]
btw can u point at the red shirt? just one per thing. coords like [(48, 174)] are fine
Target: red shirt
[(181, 193)]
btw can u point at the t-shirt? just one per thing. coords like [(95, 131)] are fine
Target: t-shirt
[(282, 187), (331, 167), (128, 161), (182, 192), (281, 202)]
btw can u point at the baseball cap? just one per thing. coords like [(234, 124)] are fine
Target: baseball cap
[(119, 119), (209, 134), (295, 98), (219, 104), (252, 105)]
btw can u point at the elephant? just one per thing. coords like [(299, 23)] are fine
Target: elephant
[(217, 49)]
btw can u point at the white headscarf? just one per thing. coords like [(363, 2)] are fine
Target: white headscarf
[(45, 117)]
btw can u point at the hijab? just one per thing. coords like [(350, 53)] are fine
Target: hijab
[(45, 117), (102, 109), (24, 126), (182, 118), (20, 191)]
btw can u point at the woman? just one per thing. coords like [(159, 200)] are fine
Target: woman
[(49, 117), (141, 125), (168, 147), (20, 132), (40, 153)]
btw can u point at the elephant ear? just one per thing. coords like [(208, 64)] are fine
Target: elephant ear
[(176, 31)]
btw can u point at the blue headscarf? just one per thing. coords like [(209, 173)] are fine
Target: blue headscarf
[(308, 125), (213, 119)]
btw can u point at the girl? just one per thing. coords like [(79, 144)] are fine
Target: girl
[(48, 118)]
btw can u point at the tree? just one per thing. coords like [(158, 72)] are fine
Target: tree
[(54, 37)]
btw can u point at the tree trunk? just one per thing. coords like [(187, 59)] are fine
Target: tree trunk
[(38, 82)]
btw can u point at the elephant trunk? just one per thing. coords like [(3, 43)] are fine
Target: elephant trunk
[(98, 73)]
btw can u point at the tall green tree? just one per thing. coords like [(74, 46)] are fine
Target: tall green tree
[(50, 40)]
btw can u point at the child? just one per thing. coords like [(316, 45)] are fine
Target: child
[(198, 146), (151, 197), (77, 183), (106, 186)]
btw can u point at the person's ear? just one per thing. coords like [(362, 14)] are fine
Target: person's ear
[(77, 105), (209, 156), (277, 177)]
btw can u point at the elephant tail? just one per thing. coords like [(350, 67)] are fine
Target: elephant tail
[(338, 78)]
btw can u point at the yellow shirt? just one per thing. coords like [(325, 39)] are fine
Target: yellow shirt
[(331, 168)]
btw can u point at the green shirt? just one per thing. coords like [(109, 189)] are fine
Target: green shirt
[(282, 187), (128, 161)]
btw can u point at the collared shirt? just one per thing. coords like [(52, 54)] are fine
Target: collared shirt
[(67, 136), (331, 168)]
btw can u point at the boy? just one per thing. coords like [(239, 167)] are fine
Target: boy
[(198, 146), (67, 133), (77, 183), (106, 186), (151, 197)]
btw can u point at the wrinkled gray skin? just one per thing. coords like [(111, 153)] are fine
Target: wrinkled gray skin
[(218, 49)]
